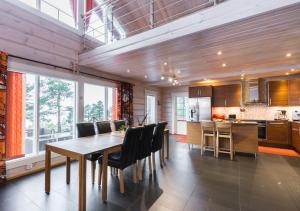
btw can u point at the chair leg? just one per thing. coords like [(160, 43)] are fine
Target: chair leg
[(93, 168), (140, 175), (161, 159), (99, 174), (149, 164), (153, 161), (121, 181), (217, 146), (134, 173), (202, 144)]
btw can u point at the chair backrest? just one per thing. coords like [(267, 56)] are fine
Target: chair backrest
[(130, 145), (158, 136), (85, 129), (118, 124), (208, 127), (144, 146), (103, 127), (224, 127)]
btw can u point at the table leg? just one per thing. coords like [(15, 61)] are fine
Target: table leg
[(82, 184), (162, 154), (168, 144), (104, 176), (68, 168), (47, 170)]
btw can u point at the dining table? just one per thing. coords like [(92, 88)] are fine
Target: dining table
[(79, 149)]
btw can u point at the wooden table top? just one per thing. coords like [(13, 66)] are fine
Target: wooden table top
[(91, 144)]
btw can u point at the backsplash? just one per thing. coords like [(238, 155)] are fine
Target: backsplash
[(257, 112)]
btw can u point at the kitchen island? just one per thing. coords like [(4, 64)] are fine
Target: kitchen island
[(245, 136)]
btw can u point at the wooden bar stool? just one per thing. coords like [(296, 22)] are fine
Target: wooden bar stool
[(224, 132), (208, 130)]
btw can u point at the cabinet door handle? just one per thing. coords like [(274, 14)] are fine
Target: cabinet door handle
[(277, 123), (200, 92), (225, 103), (270, 101)]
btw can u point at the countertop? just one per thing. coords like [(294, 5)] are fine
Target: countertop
[(235, 123)]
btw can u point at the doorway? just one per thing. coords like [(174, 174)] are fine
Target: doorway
[(150, 104), (180, 113)]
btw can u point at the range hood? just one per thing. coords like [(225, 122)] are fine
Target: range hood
[(254, 91)]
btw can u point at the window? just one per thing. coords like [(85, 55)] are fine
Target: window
[(56, 110), (181, 108), (150, 108), (99, 103), (62, 10)]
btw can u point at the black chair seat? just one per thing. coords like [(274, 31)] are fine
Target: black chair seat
[(94, 157)]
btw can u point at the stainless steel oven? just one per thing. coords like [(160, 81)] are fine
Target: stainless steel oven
[(262, 130)]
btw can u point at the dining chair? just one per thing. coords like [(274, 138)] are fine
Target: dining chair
[(144, 148), (224, 133), (103, 127), (157, 143), (119, 124), (126, 157), (85, 129), (208, 129)]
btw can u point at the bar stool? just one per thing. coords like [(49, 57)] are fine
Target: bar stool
[(224, 131), (208, 130)]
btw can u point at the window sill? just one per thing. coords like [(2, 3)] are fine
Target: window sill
[(28, 161)]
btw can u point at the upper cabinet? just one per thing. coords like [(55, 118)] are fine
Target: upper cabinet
[(278, 93), (294, 92), (227, 96), (200, 91)]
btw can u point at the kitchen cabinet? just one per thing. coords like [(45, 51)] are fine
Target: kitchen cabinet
[(227, 95), (294, 92), (296, 135), (278, 93), (278, 132), (200, 91)]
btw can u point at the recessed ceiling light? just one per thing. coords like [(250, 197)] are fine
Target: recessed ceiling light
[(219, 53), (287, 73), (224, 65), (288, 55), (128, 70), (162, 78), (165, 63), (292, 70), (146, 76), (242, 75), (174, 84), (171, 79)]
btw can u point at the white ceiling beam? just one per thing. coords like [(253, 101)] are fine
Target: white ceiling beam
[(224, 13)]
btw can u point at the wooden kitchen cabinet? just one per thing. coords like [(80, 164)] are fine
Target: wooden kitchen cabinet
[(227, 95), (200, 91), (296, 135), (278, 93), (278, 132), (294, 92)]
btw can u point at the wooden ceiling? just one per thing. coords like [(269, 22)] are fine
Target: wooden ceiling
[(134, 15), (257, 44)]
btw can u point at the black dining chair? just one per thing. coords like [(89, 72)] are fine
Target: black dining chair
[(103, 127), (85, 129), (144, 148), (157, 142), (127, 156), (119, 124)]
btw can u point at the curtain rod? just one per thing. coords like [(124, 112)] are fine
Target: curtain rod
[(69, 69)]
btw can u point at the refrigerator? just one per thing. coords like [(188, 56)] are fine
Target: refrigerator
[(199, 109)]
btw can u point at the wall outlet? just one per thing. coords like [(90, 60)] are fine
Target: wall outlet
[(29, 166)]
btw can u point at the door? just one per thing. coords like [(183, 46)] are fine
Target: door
[(181, 105), (151, 110)]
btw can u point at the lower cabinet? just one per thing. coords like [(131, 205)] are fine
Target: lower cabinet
[(296, 136), (278, 132)]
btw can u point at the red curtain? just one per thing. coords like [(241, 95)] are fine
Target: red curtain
[(3, 82), (74, 9), (15, 139), (89, 5), (125, 102)]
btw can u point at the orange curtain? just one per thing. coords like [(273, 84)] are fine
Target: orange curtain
[(15, 142)]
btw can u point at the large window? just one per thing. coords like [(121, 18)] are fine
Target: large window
[(150, 108), (99, 103), (62, 10)]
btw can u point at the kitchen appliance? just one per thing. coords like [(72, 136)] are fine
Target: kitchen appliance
[(262, 130), (199, 109), (280, 115), (232, 116), (296, 115)]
